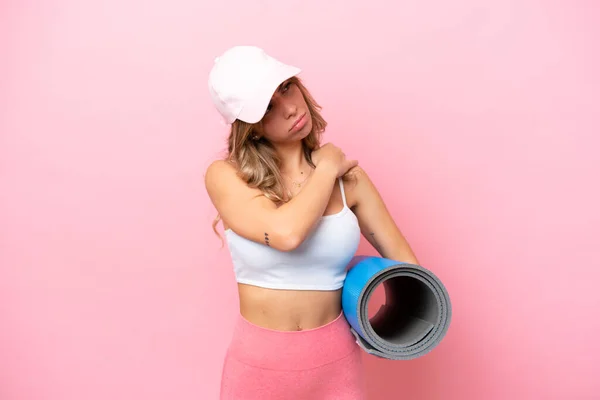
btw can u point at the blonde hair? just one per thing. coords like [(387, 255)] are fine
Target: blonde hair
[(256, 160)]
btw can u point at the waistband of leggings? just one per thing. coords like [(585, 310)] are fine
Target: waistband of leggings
[(291, 350)]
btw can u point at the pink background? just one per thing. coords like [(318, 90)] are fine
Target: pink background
[(478, 121)]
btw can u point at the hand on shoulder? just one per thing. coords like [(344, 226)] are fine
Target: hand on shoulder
[(359, 186), (331, 156), (357, 172)]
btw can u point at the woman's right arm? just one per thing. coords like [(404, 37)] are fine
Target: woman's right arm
[(251, 215)]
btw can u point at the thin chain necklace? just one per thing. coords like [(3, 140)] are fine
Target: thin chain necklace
[(298, 184)]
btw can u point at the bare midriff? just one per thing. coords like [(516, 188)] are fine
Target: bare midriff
[(288, 310)]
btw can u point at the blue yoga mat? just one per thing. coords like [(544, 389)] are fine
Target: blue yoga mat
[(416, 314)]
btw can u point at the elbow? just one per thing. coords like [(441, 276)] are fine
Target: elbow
[(288, 241), (286, 234)]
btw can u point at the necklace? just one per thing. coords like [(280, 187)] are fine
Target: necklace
[(298, 184)]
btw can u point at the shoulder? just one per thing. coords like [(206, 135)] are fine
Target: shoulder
[(222, 179), (222, 169), (219, 175), (356, 173), (357, 184), (356, 178), (218, 169)]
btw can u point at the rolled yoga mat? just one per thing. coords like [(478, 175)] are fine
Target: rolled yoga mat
[(416, 314)]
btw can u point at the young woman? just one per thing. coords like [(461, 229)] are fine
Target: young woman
[(293, 212)]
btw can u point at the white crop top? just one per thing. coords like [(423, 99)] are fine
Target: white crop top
[(319, 263)]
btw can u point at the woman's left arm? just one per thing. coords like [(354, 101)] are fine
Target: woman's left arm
[(376, 223)]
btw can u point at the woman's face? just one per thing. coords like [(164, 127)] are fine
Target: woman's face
[(287, 117)]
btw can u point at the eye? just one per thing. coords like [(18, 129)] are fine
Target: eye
[(286, 86), (269, 108)]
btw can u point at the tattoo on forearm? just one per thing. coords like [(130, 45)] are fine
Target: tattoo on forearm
[(267, 239)]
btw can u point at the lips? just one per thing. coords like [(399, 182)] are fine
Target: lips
[(299, 123)]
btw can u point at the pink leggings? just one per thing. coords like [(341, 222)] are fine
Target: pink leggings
[(322, 363)]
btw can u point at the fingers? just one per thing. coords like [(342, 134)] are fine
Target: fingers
[(348, 165)]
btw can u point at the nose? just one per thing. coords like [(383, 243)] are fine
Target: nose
[(289, 108)]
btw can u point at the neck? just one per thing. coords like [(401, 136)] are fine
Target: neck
[(292, 158)]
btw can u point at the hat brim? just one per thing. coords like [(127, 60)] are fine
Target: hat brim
[(255, 110)]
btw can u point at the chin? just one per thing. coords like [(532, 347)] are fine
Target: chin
[(306, 129)]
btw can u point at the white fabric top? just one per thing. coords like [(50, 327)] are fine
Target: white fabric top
[(319, 263)]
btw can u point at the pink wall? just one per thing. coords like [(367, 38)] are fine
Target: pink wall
[(112, 285)]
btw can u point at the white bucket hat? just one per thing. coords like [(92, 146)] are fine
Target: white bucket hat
[(243, 80)]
